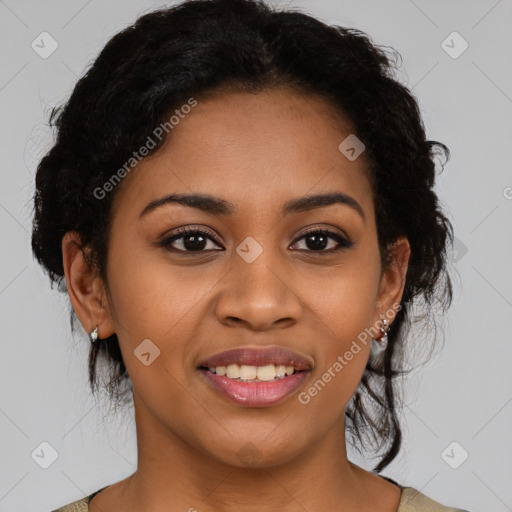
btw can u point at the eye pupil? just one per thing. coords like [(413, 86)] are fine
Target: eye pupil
[(197, 243), (319, 241)]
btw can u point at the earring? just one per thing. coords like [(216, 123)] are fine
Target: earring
[(94, 334), (383, 340)]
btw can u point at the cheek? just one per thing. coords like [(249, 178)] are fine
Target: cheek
[(343, 348), (345, 301), (346, 310), (153, 300), (150, 296)]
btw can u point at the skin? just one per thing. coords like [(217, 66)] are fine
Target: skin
[(256, 151)]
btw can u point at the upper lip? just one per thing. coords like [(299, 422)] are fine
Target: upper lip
[(258, 356)]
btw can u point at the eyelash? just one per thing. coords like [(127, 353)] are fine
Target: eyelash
[(185, 232)]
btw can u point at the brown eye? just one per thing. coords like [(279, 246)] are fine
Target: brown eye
[(318, 240), (196, 240), (192, 240)]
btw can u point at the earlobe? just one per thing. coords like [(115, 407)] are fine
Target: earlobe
[(393, 279), (85, 288)]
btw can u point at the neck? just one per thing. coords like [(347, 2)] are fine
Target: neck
[(172, 472)]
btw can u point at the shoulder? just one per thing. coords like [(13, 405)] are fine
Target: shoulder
[(411, 501), (81, 505), (77, 506), (414, 501)]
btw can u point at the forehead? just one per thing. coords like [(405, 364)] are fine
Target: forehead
[(253, 149)]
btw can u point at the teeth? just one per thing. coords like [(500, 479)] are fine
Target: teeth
[(267, 372), (233, 371), (246, 372)]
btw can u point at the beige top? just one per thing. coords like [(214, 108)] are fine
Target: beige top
[(411, 501)]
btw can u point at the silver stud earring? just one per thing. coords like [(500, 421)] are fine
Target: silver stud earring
[(94, 334)]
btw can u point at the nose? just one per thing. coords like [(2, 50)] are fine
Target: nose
[(258, 295)]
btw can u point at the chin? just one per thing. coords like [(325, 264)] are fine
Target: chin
[(256, 454)]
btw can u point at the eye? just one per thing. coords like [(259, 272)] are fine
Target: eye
[(191, 240), (318, 239), (196, 240)]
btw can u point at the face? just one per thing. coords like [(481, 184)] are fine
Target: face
[(257, 276)]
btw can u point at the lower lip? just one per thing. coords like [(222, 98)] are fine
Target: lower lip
[(256, 394)]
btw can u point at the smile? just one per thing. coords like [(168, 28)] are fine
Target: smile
[(256, 377), (253, 373)]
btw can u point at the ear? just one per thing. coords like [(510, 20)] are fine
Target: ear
[(393, 280), (85, 288)]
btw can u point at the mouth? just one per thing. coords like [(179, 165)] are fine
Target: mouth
[(256, 377), (249, 373)]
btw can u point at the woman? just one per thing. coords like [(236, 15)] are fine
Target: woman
[(240, 202)]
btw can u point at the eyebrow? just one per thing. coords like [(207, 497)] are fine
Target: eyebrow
[(218, 206)]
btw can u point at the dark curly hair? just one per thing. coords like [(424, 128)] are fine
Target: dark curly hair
[(166, 57)]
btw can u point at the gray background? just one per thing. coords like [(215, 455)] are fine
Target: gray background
[(463, 394)]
